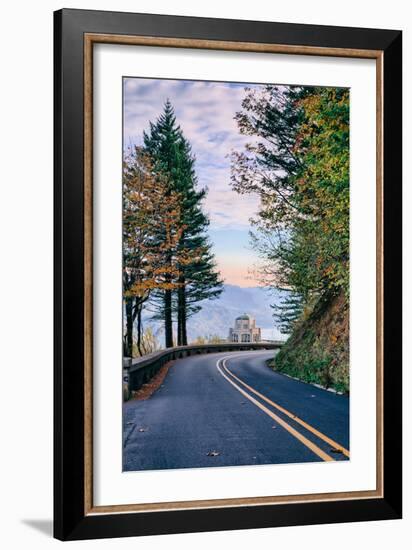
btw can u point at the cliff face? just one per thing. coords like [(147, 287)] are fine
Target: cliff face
[(318, 349)]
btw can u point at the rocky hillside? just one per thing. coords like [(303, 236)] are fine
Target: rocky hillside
[(318, 349)]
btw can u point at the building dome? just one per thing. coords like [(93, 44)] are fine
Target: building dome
[(245, 330), (244, 317)]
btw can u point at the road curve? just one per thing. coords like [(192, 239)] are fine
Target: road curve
[(230, 409)]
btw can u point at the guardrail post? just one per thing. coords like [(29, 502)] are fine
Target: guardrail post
[(127, 363)]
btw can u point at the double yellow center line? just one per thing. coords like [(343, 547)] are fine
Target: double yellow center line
[(230, 377)]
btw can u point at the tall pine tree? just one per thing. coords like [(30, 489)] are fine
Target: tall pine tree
[(198, 279), (162, 145)]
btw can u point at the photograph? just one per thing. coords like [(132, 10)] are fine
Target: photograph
[(235, 275), (227, 273)]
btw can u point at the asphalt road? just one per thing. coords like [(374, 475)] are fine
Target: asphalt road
[(230, 409)]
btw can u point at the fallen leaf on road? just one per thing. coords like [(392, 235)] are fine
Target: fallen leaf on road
[(338, 451), (148, 389), (213, 453)]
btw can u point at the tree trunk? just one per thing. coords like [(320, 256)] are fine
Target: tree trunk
[(137, 314), (168, 319), (179, 316), (139, 328), (129, 327), (183, 316), (181, 305), (179, 320), (184, 331)]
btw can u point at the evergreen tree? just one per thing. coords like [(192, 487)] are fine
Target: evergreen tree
[(288, 312), (202, 282), (198, 280), (161, 143)]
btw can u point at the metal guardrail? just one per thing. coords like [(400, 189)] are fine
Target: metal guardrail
[(137, 372)]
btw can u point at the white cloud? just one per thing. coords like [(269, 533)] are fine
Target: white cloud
[(205, 111)]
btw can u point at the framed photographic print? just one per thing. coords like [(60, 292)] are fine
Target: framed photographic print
[(227, 274)]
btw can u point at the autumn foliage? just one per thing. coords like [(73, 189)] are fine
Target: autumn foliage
[(297, 161), (168, 264)]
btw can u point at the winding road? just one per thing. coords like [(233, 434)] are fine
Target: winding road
[(230, 409)]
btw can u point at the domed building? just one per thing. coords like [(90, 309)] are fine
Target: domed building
[(245, 330)]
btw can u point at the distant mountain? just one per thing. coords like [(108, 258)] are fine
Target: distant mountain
[(217, 316)]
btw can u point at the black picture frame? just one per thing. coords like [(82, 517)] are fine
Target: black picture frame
[(71, 522)]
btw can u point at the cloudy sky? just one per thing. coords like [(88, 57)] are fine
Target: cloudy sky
[(204, 111)]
